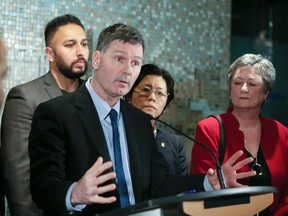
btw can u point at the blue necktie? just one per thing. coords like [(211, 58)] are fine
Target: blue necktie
[(122, 187)]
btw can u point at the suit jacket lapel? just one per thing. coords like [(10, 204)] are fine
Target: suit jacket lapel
[(133, 149), (51, 86), (90, 120)]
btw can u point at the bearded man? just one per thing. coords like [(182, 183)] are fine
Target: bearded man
[(67, 52)]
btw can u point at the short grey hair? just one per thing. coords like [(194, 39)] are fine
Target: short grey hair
[(262, 66)]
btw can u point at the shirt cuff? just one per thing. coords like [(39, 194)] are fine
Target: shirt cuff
[(68, 203), (207, 186)]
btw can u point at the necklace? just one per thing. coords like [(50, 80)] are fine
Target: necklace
[(256, 167), (253, 135)]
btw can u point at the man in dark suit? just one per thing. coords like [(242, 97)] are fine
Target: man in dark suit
[(71, 144), (67, 52)]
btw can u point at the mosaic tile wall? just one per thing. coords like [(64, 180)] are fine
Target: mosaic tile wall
[(190, 38)]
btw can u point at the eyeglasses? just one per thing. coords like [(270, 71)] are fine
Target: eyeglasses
[(146, 92)]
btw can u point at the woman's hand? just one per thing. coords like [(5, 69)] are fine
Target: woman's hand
[(229, 170)]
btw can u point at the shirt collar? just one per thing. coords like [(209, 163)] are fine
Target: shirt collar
[(101, 106)]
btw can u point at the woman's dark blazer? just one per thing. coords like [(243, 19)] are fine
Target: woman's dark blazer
[(172, 148)]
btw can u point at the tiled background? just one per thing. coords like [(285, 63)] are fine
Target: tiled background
[(190, 38)]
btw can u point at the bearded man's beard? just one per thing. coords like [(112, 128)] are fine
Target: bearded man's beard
[(67, 70)]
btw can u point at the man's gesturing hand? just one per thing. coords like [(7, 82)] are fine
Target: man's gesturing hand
[(87, 189)]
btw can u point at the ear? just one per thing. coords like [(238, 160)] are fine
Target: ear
[(266, 95), (50, 54), (96, 59)]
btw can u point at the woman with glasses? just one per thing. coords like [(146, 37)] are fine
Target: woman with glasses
[(250, 79), (152, 92)]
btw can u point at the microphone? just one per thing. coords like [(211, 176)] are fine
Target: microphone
[(218, 166)]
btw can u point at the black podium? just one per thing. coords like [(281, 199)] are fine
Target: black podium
[(231, 201)]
